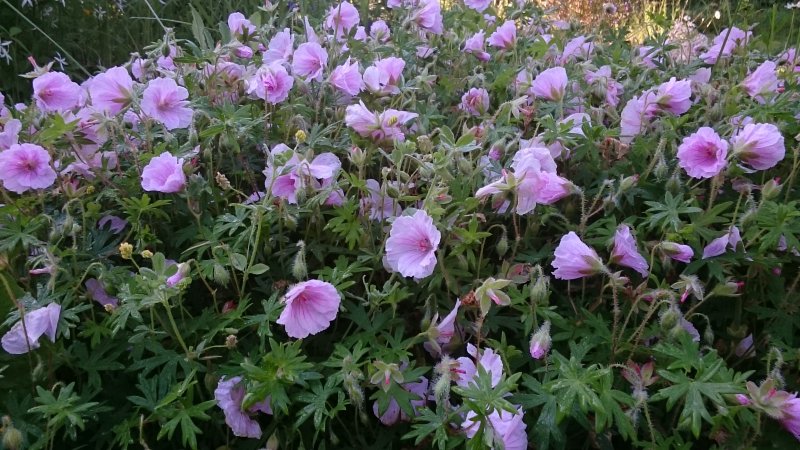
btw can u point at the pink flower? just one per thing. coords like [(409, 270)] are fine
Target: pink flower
[(166, 62), (165, 101), (310, 308), (309, 61), (678, 252), (674, 96), (380, 31), (574, 259), (724, 44), (762, 82), (411, 246), (702, 154), (423, 51), (378, 205), (97, 292), (239, 25), (791, 415), (341, 19), (164, 173), (478, 5), (446, 328), (180, 274), (428, 16), (609, 88), (475, 46), (111, 90), (347, 78), (550, 84), (24, 338), (718, 246), (362, 120), (645, 55), (625, 252), (576, 48), (296, 174), (26, 166), (541, 341), (636, 115), (229, 395), (360, 34), (505, 35), (10, 134), (55, 92), (280, 48), (760, 146), (385, 126), (468, 369), (384, 75), (393, 413), (475, 101), (507, 428), (271, 83)]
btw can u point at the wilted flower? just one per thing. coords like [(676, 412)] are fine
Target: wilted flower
[(411, 246), (574, 259), (475, 101), (310, 308), (703, 153), (164, 173), (23, 338), (26, 166)]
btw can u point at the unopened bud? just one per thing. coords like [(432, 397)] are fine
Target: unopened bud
[(661, 168), (669, 317), (126, 250), (146, 254), (771, 189), (628, 183), (221, 275), (12, 438), (540, 290), (300, 136), (541, 341), (231, 341), (89, 190), (272, 442), (357, 156), (727, 289), (424, 144), (299, 268), (353, 388), (502, 245)]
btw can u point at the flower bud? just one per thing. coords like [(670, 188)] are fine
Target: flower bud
[(502, 245), (540, 290), (146, 254), (541, 341), (272, 442), (771, 189), (300, 136), (669, 317), (12, 438), (353, 388), (299, 268), (628, 183), (221, 274), (357, 156)]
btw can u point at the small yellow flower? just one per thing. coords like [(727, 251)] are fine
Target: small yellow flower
[(146, 254), (89, 190), (300, 136), (125, 250), (222, 181)]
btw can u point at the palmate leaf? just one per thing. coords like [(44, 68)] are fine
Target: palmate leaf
[(667, 214), (428, 422), (779, 220), (317, 403)]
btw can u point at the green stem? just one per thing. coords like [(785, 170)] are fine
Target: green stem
[(175, 328)]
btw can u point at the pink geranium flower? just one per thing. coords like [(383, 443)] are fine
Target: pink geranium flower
[(505, 36), (55, 92), (703, 153), (39, 322), (271, 83), (383, 77), (468, 367), (385, 126), (762, 82), (550, 84), (609, 88), (378, 205), (478, 5), (475, 46), (475, 101), (719, 245), (165, 101), (346, 78), (674, 96), (574, 259), (411, 246), (240, 25), (379, 31), (625, 252), (9, 134), (541, 341), (280, 48), (508, 428), (678, 252), (578, 47), (309, 61), (636, 115), (428, 16), (310, 308), (445, 330), (26, 166), (164, 173), (341, 19), (725, 43), (229, 395), (111, 90), (393, 413), (760, 146)]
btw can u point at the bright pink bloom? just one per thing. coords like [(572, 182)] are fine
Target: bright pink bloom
[(341, 19), (760, 146), (379, 31), (674, 96), (468, 369), (478, 5), (165, 101), (475, 45), (383, 76), (411, 246), (762, 82), (309, 61), (702, 154), (550, 84), (43, 321), (310, 307), (26, 166), (475, 101), (428, 16), (271, 83), (347, 78), (239, 25), (505, 36), (625, 252), (507, 428), (393, 413), (574, 259), (164, 173), (724, 44), (111, 90), (280, 48), (229, 395), (55, 92), (678, 252)]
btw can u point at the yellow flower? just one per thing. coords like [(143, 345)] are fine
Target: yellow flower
[(125, 250)]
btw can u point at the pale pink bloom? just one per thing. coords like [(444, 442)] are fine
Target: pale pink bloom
[(386, 126), (362, 120), (97, 292), (701, 75), (393, 413), (271, 83), (380, 31), (183, 271), (446, 328), (55, 92), (762, 82), (287, 180), (411, 246), (164, 173), (645, 55), (609, 87), (576, 48), (341, 19), (309, 61), (674, 96), (139, 68), (541, 187), (541, 341), (625, 252), (725, 47), (111, 90), (505, 36), (760, 146), (576, 122), (478, 5), (311, 35), (745, 347), (10, 134), (378, 205), (280, 48), (574, 259), (165, 101), (40, 322), (347, 78), (166, 62), (112, 223), (26, 166), (678, 252), (719, 245), (702, 154), (636, 116), (428, 16), (310, 307), (244, 52), (361, 34), (475, 101), (531, 156), (475, 45), (508, 428), (791, 415), (423, 51), (229, 395), (550, 84), (239, 25), (468, 369), (383, 76)]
